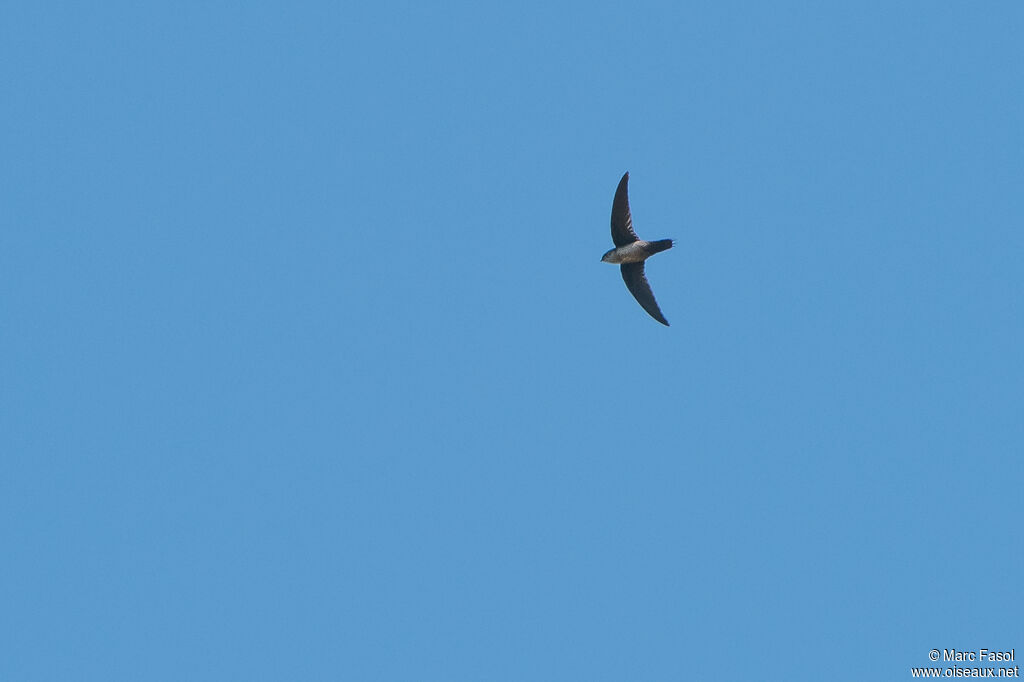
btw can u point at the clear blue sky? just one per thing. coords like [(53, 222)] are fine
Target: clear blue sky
[(310, 369)]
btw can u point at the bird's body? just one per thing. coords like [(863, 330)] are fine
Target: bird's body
[(637, 252), (630, 252)]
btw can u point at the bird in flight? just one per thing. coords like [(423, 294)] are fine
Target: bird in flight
[(631, 252)]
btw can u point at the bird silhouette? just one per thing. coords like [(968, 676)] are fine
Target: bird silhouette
[(630, 251)]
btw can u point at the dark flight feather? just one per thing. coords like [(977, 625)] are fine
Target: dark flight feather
[(636, 281), (622, 221)]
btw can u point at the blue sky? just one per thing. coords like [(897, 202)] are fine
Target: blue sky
[(311, 370)]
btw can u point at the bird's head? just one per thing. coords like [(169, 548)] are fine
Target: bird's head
[(608, 258)]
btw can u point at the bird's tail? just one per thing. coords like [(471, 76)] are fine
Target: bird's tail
[(661, 245)]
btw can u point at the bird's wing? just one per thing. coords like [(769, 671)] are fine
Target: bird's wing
[(636, 281), (622, 221)]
